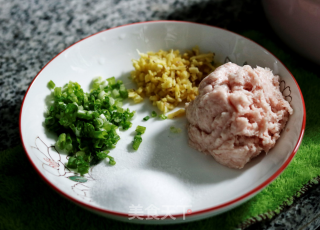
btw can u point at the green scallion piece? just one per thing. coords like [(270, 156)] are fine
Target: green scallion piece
[(111, 160), (111, 81), (175, 130), (137, 138), (136, 142), (103, 154), (51, 84), (116, 93), (146, 118), (57, 92), (123, 91), (163, 117), (140, 129), (154, 114)]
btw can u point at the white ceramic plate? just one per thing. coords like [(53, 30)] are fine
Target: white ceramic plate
[(165, 176)]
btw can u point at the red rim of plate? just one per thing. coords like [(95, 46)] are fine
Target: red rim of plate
[(204, 211)]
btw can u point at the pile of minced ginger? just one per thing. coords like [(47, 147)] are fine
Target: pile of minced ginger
[(168, 78)]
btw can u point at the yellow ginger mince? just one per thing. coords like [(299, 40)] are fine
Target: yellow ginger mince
[(168, 78)]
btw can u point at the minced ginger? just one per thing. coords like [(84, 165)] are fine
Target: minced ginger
[(168, 78)]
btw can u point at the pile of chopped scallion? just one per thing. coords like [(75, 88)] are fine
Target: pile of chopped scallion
[(87, 123)]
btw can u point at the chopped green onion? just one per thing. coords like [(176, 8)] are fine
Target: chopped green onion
[(140, 129), (88, 115), (146, 118), (79, 163), (137, 138), (116, 93), (102, 95), (96, 82), (111, 81), (111, 160), (136, 142), (51, 84), (61, 141), (126, 125), (154, 114), (80, 153), (102, 155), (64, 142), (123, 91), (163, 117), (72, 162), (57, 92), (175, 130), (87, 123), (110, 100)]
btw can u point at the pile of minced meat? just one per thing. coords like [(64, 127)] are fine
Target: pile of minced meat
[(238, 113)]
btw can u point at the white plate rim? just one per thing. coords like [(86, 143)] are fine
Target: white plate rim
[(200, 212)]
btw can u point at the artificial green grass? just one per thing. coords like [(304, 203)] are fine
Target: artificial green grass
[(26, 202)]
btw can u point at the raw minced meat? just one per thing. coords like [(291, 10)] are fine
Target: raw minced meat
[(238, 113)]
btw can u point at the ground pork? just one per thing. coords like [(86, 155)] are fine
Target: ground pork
[(238, 113)]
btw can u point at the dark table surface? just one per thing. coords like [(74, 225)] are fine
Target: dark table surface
[(32, 32)]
